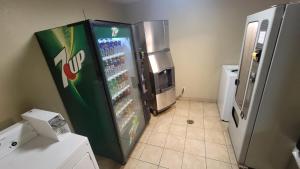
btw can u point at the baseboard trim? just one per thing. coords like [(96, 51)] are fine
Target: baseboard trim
[(198, 99)]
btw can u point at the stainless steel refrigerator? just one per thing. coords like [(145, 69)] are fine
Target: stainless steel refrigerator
[(265, 122), (151, 41)]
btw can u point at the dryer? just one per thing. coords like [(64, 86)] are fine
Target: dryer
[(22, 147)]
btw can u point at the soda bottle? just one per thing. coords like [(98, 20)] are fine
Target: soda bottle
[(114, 102), (111, 47), (110, 87), (106, 48), (119, 46), (115, 83), (126, 76), (108, 61), (115, 47), (113, 67), (101, 48), (124, 79), (121, 81), (117, 106), (118, 83), (119, 64), (115, 71), (106, 67)]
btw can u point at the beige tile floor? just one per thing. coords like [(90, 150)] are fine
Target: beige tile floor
[(168, 142)]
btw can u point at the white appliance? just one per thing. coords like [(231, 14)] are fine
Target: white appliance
[(23, 147), (227, 90), (265, 123)]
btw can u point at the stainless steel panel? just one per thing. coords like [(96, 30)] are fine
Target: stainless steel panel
[(139, 37), (160, 61), (165, 99), (156, 35), (251, 34), (277, 126), (240, 135)]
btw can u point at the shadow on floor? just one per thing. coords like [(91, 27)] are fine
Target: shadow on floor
[(105, 163)]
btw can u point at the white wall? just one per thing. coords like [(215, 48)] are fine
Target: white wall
[(204, 34), (25, 81)]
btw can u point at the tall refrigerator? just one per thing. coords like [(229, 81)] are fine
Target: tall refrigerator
[(265, 119), (95, 72)]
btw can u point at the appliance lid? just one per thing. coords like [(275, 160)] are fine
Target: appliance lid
[(160, 61), (42, 152)]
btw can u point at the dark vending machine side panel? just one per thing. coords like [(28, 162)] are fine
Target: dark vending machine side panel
[(143, 70)]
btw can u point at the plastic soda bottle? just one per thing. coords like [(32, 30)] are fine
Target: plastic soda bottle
[(106, 48), (119, 46), (115, 47)]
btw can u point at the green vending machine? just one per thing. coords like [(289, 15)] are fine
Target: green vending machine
[(94, 69)]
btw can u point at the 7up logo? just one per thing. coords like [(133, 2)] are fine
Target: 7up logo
[(69, 68)]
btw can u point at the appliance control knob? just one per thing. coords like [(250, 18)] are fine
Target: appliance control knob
[(252, 77), (242, 115), (14, 143)]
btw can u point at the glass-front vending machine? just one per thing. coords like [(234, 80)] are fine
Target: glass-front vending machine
[(94, 69)]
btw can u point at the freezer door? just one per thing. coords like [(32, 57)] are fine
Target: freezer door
[(118, 66)]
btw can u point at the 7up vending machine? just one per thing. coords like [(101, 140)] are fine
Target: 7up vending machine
[(94, 69)]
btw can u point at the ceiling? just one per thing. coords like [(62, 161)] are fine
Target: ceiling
[(124, 1)]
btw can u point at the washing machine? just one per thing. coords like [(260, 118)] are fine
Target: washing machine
[(23, 147), (227, 89)]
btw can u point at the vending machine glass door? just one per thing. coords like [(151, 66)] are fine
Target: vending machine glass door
[(118, 65), (245, 64)]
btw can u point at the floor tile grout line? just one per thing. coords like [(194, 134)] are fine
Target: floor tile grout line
[(185, 135), (165, 141), (226, 147), (204, 135), (150, 145), (149, 163), (184, 144), (230, 163), (219, 161)]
